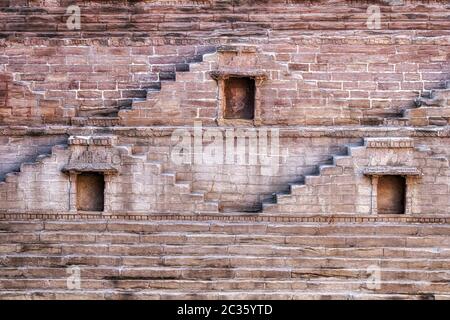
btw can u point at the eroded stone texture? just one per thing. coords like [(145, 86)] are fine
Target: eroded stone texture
[(158, 79)]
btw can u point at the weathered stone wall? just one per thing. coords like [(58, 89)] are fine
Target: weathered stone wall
[(350, 185), (323, 57), (143, 184), (318, 175)]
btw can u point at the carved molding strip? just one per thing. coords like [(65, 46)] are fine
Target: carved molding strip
[(232, 218), (92, 141), (335, 132)]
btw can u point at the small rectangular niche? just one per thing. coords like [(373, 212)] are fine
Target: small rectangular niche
[(391, 194), (239, 98), (90, 192)]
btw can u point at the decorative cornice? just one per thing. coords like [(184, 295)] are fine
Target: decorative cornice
[(96, 167)]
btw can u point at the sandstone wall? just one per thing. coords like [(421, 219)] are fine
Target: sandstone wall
[(245, 185), (352, 183), (323, 55)]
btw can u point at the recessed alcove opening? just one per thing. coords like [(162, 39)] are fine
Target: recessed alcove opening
[(391, 194), (239, 98), (90, 192)]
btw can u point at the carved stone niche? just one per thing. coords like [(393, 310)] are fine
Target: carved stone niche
[(90, 192), (92, 162), (239, 81), (392, 189), (239, 96)]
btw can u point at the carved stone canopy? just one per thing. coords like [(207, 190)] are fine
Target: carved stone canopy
[(97, 154), (391, 171), (259, 76), (104, 168)]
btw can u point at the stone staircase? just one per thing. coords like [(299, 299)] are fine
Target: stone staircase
[(46, 170), (12, 197), (214, 259), (39, 160), (285, 198), (420, 116), (300, 192), (432, 110), (181, 182), (110, 117)]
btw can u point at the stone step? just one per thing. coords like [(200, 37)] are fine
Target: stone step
[(221, 261), (207, 207), (186, 185), (168, 177), (228, 227), (330, 170), (137, 273), (318, 285), (336, 241), (343, 161), (265, 250), (197, 196), (236, 249), (181, 188), (353, 151), (189, 295), (161, 258), (333, 241), (11, 177), (198, 274)]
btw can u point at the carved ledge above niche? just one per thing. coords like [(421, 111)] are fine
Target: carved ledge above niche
[(94, 154), (80, 167), (391, 171), (92, 140), (224, 74)]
